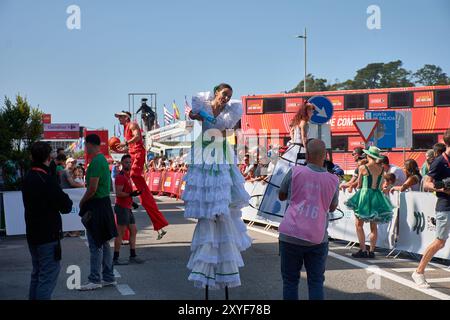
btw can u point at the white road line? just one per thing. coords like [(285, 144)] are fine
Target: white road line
[(441, 266), (125, 290), (436, 280), (409, 269), (391, 260), (407, 283), (116, 274), (181, 208), (340, 248), (86, 243)]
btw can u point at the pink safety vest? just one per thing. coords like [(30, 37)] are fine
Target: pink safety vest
[(311, 196)]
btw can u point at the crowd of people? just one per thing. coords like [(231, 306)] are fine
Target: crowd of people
[(215, 195)]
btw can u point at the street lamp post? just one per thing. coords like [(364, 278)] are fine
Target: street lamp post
[(304, 38)]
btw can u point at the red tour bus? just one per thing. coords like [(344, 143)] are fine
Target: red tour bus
[(430, 108)]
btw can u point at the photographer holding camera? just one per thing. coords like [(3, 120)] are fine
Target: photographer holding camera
[(124, 215), (437, 180)]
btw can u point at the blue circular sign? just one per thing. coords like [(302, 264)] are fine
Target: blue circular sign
[(323, 109)]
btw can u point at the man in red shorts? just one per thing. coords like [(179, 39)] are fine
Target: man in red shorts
[(135, 145)]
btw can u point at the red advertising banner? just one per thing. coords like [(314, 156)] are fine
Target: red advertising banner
[(46, 118), (61, 135), (354, 142), (423, 99), (342, 121), (378, 101), (337, 101), (255, 106), (103, 134), (293, 104)]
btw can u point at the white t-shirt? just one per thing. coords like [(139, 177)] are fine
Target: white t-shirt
[(400, 176)]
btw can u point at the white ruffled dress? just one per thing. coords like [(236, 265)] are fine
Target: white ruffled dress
[(214, 194)]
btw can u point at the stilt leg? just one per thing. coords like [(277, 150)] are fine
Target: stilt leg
[(226, 293), (206, 293)]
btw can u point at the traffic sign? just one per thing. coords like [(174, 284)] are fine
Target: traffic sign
[(366, 128), (323, 109)]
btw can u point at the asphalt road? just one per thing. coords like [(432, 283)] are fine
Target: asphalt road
[(164, 275)]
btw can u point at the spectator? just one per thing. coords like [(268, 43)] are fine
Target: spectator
[(439, 170), (67, 177), (413, 177), (390, 168), (243, 166), (389, 182), (60, 163), (124, 215), (303, 231), (262, 169), (43, 200), (358, 155), (78, 175), (98, 217), (429, 157), (369, 203), (439, 149)]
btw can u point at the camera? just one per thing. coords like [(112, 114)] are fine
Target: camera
[(443, 184)]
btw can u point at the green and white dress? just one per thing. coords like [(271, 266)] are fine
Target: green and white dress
[(369, 203)]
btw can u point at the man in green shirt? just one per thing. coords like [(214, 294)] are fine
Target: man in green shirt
[(98, 217)]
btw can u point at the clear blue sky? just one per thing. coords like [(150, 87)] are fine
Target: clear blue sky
[(179, 47)]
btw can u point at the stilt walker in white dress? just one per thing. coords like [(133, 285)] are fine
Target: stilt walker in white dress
[(215, 194)]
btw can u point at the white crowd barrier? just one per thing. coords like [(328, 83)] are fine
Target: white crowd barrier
[(15, 212), (411, 228)]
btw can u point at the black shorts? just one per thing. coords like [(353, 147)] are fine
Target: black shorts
[(124, 216)]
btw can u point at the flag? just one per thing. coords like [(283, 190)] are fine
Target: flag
[(176, 112), (187, 107), (168, 117)]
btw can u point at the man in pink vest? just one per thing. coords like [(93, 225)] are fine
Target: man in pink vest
[(313, 192)]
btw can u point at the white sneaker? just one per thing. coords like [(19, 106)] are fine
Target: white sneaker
[(419, 279), (107, 283), (90, 286)]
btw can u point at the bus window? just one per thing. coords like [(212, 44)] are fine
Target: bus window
[(339, 143), (443, 98), (400, 99), (274, 105), (424, 141), (356, 101)]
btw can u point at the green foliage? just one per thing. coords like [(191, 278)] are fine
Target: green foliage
[(20, 127), (431, 75), (379, 75)]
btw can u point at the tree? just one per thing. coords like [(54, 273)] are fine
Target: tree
[(431, 75), (382, 75), (312, 84), (20, 127)]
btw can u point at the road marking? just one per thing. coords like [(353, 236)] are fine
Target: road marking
[(391, 260), (436, 280), (407, 283), (409, 269), (340, 248), (117, 274), (441, 266), (86, 243), (125, 290), (178, 244), (181, 208)]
